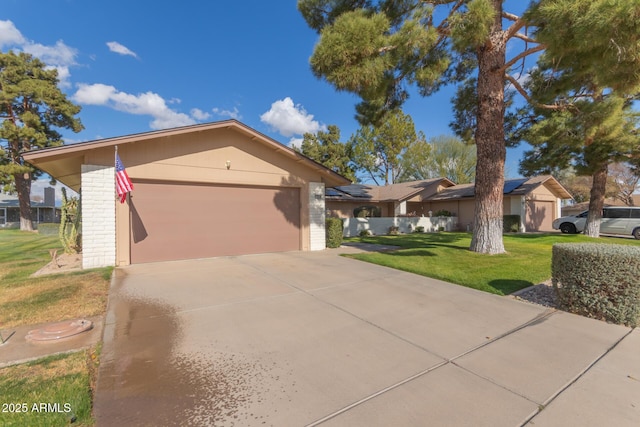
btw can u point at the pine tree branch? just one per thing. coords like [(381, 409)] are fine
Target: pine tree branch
[(510, 16), (521, 55), (515, 27), (443, 29), (526, 96), (525, 38)]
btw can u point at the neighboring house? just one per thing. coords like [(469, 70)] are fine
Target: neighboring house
[(536, 200), (391, 200), (41, 211), (577, 208), (200, 191)]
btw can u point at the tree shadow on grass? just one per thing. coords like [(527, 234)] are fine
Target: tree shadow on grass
[(419, 240)]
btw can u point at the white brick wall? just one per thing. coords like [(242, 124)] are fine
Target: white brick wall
[(316, 216), (98, 216)]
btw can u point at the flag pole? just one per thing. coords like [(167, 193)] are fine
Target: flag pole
[(115, 165)]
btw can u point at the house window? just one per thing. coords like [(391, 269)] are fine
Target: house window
[(3, 216)]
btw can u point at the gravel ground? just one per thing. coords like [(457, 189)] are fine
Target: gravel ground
[(542, 294)]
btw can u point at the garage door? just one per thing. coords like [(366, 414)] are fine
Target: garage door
[(171, 221), (540, 215)]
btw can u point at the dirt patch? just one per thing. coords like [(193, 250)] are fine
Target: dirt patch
[(63, 263)]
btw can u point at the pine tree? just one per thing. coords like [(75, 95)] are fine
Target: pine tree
[(378, 49), (326, 149), (31, 106)]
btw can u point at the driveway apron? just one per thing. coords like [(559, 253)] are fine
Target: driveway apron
[(298, 338)]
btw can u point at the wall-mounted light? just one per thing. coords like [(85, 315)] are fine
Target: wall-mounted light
[(228, 164)]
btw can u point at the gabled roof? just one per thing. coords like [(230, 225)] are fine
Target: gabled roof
[(64, 162), (387, 193), (512, 187)]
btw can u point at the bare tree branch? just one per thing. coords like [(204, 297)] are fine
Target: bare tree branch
[(510, 16), (525, 38), (521, 55), (514, 28), (526, 96)]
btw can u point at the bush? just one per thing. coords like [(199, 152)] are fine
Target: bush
[(511, 223), (443, 212), (364, 233), (48, 228), (394, 230), (598, 281), (334, 230), (367, 212), (419, 229)]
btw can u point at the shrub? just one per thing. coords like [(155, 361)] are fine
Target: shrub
[(334, 230), (48, 228), (443, 212), (598, 280), (394, 230), (511, 223), (419, 229), (367, 212), (364, 233)]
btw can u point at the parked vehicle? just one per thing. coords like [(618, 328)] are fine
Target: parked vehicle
[(620, 220)]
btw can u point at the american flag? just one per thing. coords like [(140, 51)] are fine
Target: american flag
[(123, 183)]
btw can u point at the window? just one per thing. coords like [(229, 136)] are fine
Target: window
[(635, 213), (3, 216), (617, 213)]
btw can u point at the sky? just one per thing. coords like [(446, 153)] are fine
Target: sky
[(137, 66)]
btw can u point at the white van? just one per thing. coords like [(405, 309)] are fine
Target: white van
[(621, 220)]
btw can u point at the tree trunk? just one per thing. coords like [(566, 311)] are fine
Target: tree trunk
[(596, 202), (23, 187), (489, 185)]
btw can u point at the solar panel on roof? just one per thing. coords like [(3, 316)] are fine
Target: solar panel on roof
[(355, 190), (332, 192), (512, 184)]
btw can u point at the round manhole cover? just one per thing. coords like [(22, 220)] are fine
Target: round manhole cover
[(56, 331)]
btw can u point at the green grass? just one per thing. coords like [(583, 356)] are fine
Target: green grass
[(26, 300), (446, 256), (29, 300), (52, 391)]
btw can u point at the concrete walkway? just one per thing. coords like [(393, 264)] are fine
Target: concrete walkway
[(300, 339)]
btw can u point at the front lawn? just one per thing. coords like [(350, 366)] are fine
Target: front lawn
[(446, 256), (26, 300), (55, 390)]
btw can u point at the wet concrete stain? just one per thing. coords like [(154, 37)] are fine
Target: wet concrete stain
[(145, 380)]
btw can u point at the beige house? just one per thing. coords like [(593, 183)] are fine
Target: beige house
[(536, 200), (200, 191)]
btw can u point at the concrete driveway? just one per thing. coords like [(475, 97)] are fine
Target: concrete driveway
[(295, 339)]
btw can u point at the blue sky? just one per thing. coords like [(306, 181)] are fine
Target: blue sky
[(136, 66)]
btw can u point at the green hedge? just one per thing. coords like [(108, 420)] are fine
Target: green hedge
[(511, 223), (334, 232), (48, 228), (598, 280)]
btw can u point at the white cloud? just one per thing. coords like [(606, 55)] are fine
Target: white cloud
[(10, 35), (59, 56), (296, 142), (198, 114), (147, 103), (121, 49), (234, 114), (290, 119)]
